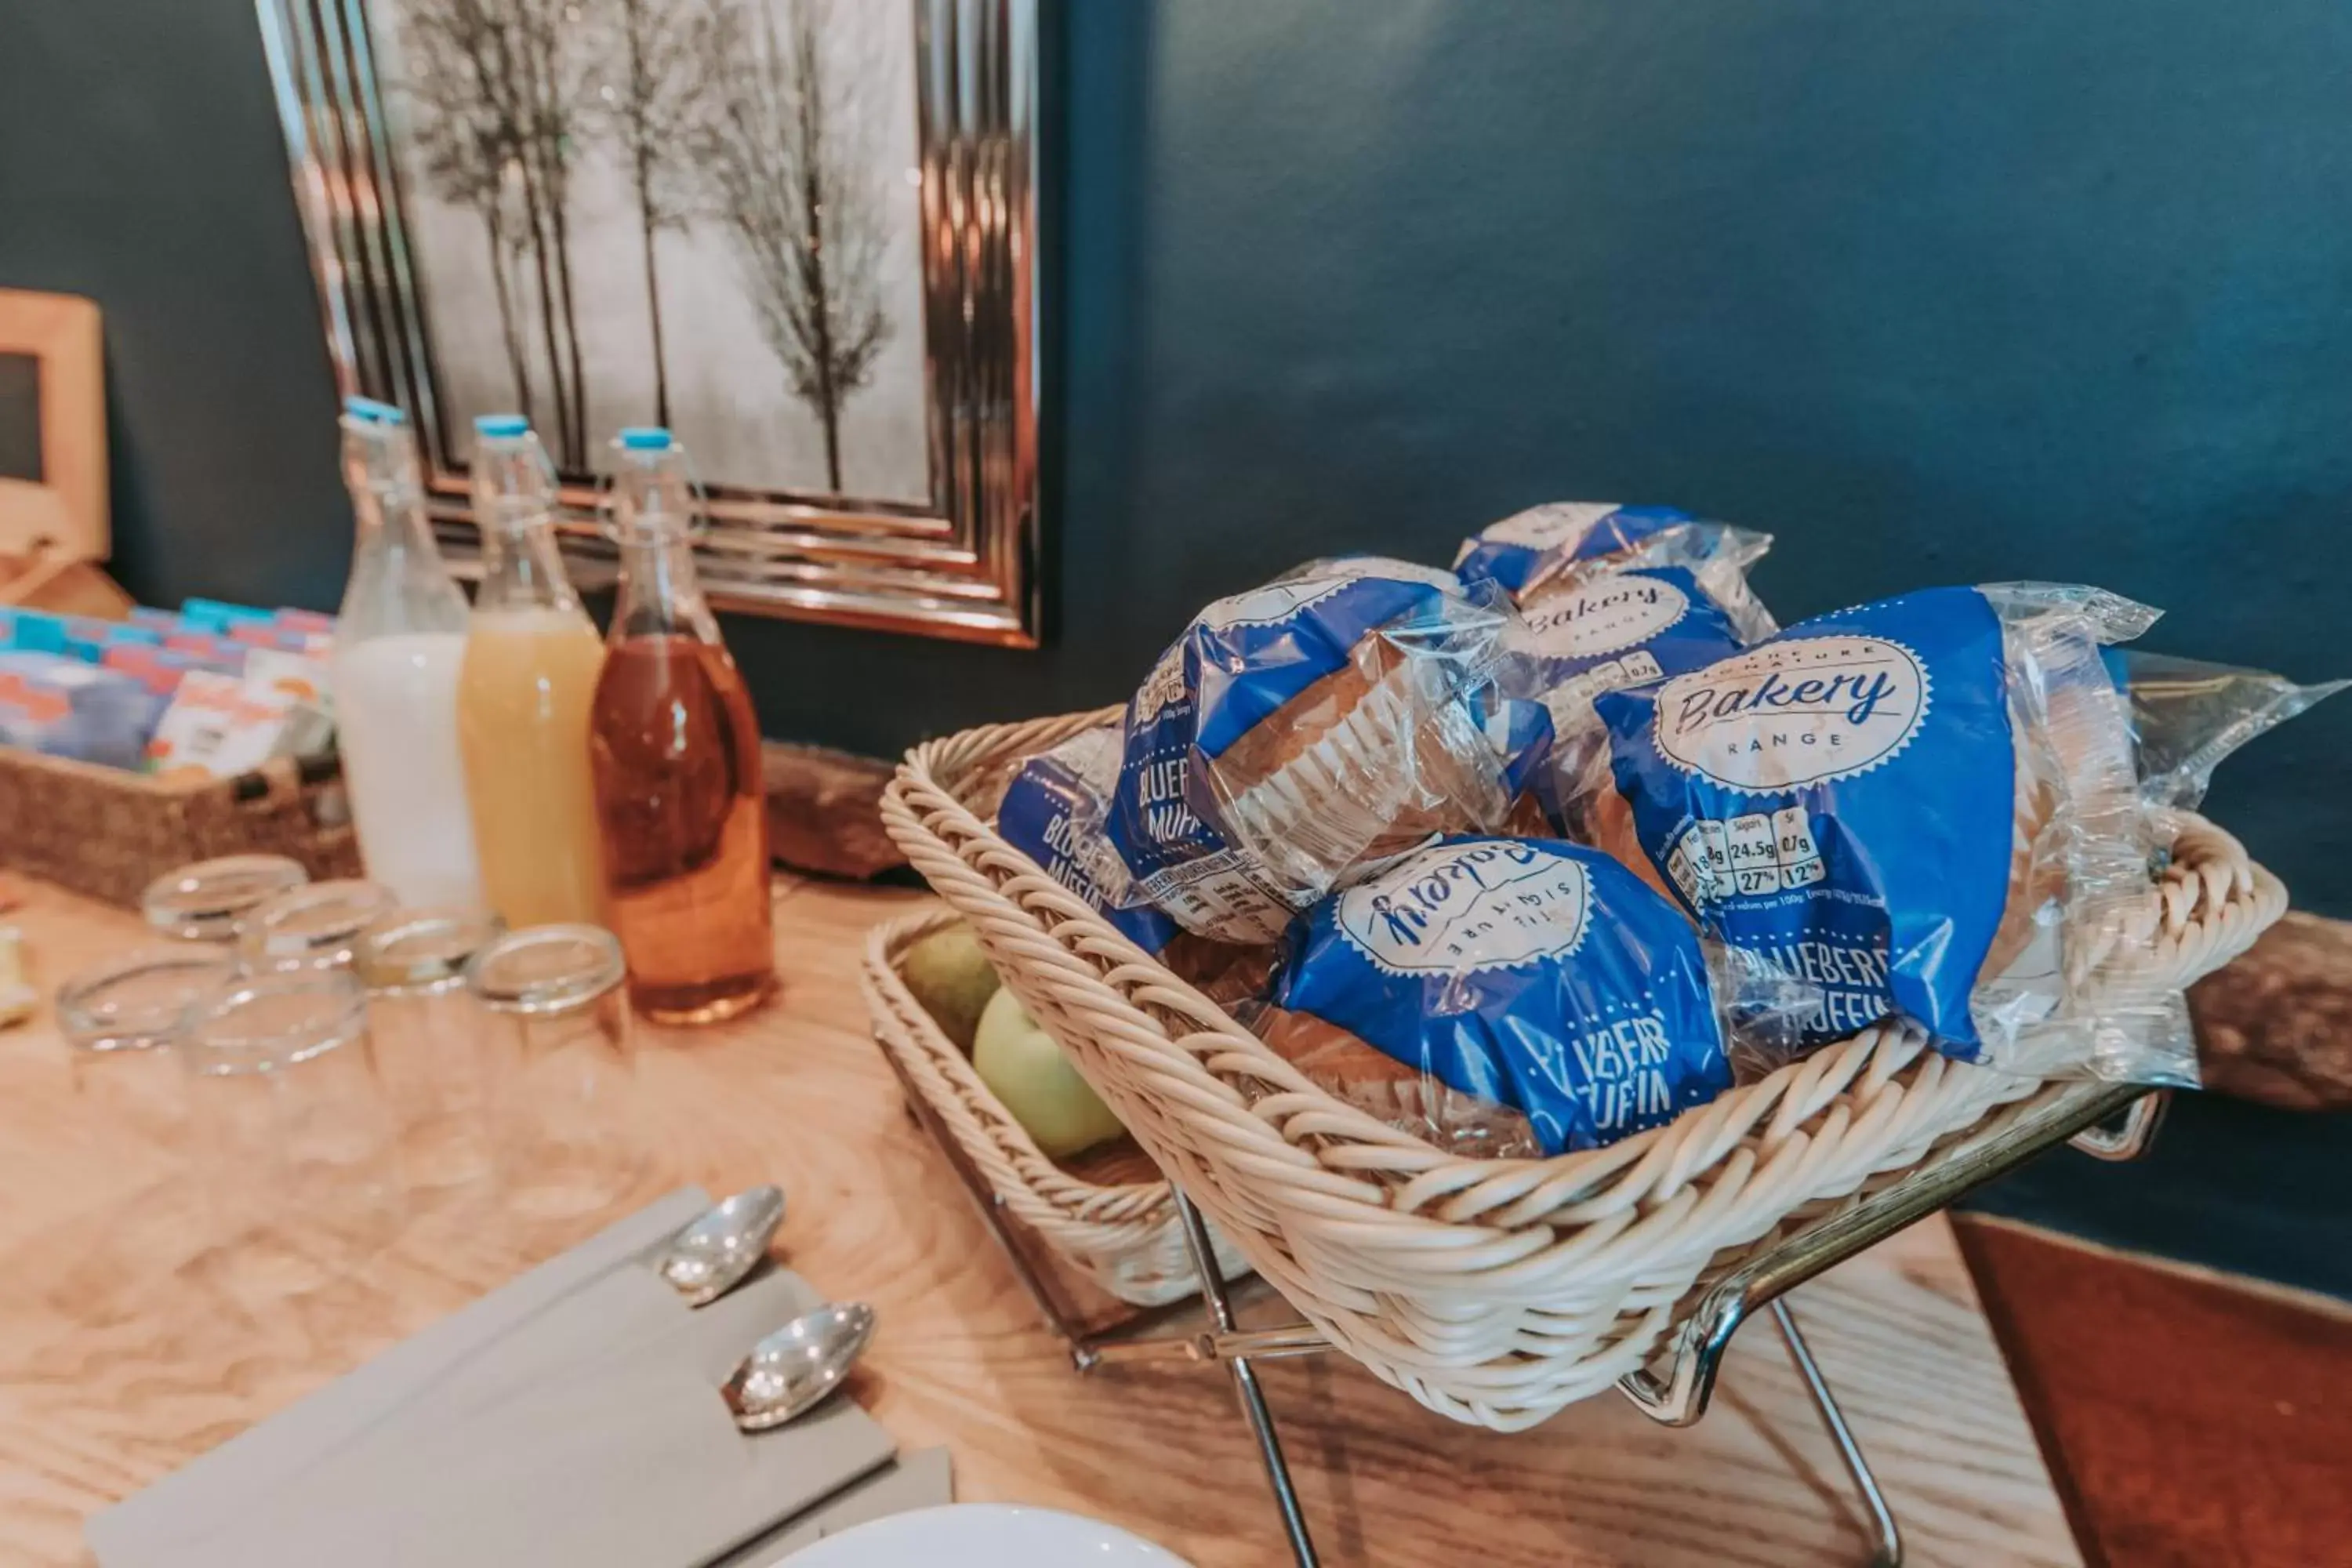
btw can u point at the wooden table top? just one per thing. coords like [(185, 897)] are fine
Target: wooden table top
[(117, 1364)]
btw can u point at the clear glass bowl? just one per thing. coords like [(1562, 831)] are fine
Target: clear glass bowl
[(205, 901), (312, 928), (142, 1000)]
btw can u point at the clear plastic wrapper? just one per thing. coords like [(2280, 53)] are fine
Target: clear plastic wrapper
[(1053, 810), (1339, 715), (1501, 997), (2188, 716), (1550, 550), (1924, 807), (1616, 596)]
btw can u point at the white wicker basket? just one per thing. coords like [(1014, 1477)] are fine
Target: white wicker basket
[(1494, 1291), (1124, 1234)]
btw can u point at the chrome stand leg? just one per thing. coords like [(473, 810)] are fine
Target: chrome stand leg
[(1889, 1553), (1261, 1419)]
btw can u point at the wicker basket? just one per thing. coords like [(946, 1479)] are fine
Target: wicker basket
[(108, 833), (1124, 1235), (1493, 1292)]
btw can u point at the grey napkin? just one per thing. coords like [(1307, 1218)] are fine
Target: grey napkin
[(221, 1486), (920, 1480), (610, 1455)]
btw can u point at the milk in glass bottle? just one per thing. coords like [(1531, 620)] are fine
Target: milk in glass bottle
[(531, 666), (398, 643), (675, 749)]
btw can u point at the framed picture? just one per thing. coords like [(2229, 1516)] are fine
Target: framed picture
[(52, 428), (798, 233)]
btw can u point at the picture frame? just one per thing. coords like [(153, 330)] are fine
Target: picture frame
[(52, 477), (962, 562)]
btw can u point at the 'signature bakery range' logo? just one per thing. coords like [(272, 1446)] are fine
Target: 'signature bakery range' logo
[(1793, 712), (1606, 616)]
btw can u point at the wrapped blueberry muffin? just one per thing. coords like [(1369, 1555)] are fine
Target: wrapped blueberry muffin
[(1053, 811), (1339, 715), (1617, 596), (1501, 997), (1923, 808)]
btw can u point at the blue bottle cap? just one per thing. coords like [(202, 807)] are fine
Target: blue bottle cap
[(645, 439), (498, 424), (373, 412)]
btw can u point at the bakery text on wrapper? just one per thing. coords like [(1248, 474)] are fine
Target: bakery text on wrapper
[(1922, 808), (1346, 711), (1616, 596), (1052, 812), (1501, 996)]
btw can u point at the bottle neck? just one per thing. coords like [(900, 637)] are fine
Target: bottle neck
[(393, 522), (522, 567), (397, 581), (660, 592)]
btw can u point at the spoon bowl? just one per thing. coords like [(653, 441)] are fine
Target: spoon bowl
[(792, 1370), (710, 1257)]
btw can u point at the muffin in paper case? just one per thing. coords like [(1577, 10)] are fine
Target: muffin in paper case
[(1922, 808), (1296, 732), (1501, 997)]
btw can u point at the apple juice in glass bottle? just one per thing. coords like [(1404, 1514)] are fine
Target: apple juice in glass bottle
[(674, 753), (532, 660)]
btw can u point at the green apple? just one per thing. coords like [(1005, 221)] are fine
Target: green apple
[(951, 976), (1025, 1069)]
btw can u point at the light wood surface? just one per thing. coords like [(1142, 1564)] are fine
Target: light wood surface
[(119, 1362)]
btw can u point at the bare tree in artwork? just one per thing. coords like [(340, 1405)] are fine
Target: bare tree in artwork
[(781, 148), (550, 58), (650, 99), (495, 82), (466, 147)]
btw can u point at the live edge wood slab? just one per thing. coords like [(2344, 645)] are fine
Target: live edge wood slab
[(121, 1356)]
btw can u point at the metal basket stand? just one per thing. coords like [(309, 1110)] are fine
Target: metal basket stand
[(2107, 1121)]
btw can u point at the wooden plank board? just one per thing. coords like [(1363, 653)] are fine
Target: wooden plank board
[(118, 1359)]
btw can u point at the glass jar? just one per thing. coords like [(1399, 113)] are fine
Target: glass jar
[(291, 1130), (205, 901), (120, 1019), (429, 1040), (311, 928), (566, 1119)]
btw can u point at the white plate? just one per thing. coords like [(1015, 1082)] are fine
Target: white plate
[(985, 1535)]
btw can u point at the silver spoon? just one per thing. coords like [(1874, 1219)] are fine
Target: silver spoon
[(790, 1372), (710, 1257)]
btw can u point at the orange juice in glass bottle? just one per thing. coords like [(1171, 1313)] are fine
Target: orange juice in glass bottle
[(523, 691), (676, 751)]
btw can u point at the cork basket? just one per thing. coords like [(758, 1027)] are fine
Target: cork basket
[(1124, 1235), (1494, 1291), (108, 833)]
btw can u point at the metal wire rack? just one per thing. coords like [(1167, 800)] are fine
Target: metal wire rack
[(2107, 1121)]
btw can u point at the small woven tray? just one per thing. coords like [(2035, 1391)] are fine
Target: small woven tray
[(1122, 1234), (107, 832), (1494, 1291)]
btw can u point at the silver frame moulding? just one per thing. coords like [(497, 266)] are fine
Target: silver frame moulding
[(965, 566)]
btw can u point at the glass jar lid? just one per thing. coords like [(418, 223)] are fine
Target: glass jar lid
[(313, 927), (545, 970), (422, 950), (141, 1000), (267, 1022), (204, 902)]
